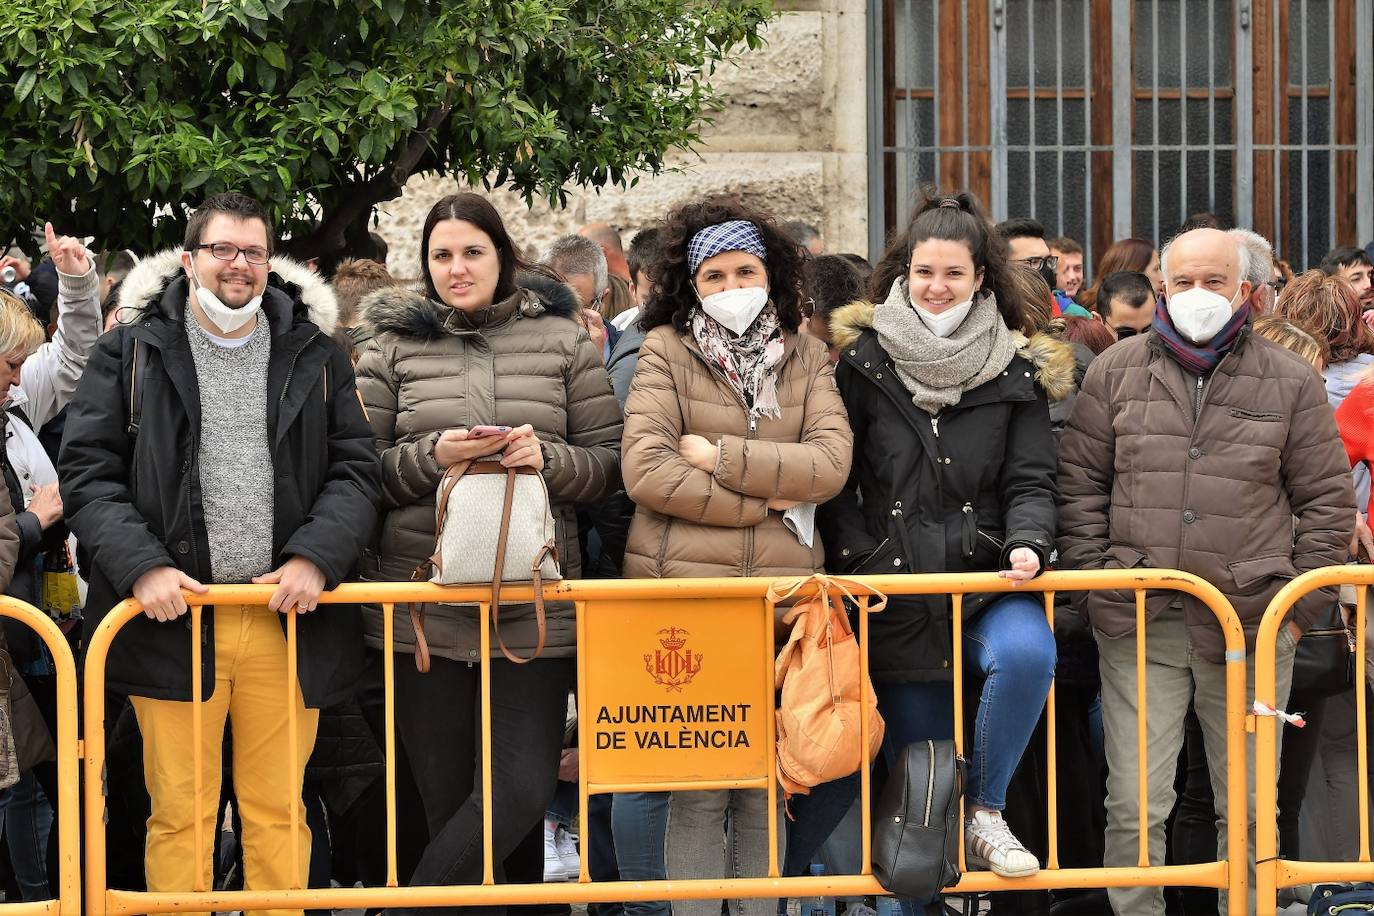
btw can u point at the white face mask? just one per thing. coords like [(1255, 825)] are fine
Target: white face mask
[(736, 308), (1199, 314), (227, 319), (947, 322)]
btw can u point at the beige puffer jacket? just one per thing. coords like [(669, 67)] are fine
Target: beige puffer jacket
[(432, 368), (691, 523), (1239, 478)]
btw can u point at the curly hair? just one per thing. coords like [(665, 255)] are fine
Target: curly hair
[(953, 218), (674, 295), (1328, 305)]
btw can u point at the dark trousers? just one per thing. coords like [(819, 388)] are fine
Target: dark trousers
[(1082, 798), (439, 720), (814, 817)]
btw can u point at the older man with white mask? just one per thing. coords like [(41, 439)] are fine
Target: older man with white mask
[(1198, 446)]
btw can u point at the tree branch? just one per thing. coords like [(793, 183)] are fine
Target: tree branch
[(356, 202)]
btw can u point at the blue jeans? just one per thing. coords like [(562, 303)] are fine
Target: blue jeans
[(1010, 645), (639, 823), (814, 818), (26, 816)]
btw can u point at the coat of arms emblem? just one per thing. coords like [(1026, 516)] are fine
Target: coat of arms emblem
[(673, 665)]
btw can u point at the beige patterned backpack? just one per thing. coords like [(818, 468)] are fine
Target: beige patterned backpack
[(491, 525)]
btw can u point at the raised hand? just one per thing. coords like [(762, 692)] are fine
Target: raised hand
[(68, 254)]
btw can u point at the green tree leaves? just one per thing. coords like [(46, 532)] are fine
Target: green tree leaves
[(121, 114)]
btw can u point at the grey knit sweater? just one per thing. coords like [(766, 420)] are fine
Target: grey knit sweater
[(236, 475)]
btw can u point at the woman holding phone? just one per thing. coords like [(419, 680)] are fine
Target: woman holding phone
[(486, 362)]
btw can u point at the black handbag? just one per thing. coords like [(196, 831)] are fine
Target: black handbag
[(1325, 659), (916, 826)]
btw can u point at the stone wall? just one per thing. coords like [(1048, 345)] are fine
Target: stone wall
[(792, 139)]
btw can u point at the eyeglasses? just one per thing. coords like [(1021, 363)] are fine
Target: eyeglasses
[(224, 251), (808, 307), (1050, 261), (1278, 284)]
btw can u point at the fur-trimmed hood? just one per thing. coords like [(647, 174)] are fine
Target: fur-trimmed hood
[(142, 289), (1053, 359), (408, 312)]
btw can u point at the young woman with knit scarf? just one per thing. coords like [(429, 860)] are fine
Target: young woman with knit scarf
[(734, 432), (953, 472)]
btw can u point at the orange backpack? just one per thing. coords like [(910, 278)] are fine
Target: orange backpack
[(818, 676)]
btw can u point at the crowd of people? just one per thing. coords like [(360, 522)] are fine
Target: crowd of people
[(719, 398)]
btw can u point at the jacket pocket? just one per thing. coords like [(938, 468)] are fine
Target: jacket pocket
[(1262, 416), (884, 560), (1253, 573), (1122, 556)]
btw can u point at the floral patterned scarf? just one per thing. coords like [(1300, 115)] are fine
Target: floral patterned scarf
[(749, 361)]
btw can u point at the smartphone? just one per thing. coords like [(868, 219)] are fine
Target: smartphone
[(482, 432)]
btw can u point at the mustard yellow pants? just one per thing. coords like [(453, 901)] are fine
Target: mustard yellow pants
[(251, 691)]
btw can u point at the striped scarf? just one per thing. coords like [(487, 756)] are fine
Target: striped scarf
[(1199, 359)]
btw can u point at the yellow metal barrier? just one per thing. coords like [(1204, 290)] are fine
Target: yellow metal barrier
[(1271, 872), (68, 878), (610, 608)]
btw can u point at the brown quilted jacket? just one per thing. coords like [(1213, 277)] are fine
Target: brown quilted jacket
[(691, 523), (1252, 492), (432, 368)]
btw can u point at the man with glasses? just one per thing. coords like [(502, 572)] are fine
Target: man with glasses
[(217, 437), (1026, 239), (1126, 303), (581, 263)]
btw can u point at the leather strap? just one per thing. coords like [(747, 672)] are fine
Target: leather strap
[(536, 576)]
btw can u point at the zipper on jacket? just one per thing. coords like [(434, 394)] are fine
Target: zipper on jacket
[(995, 542), (749, 532), (1197, 401), (663, 544), (193, 540), (970, 529), (935, 426), (292, 370), (930, 779)]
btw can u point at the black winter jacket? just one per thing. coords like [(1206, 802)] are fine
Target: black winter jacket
[(954, 495), (133, 499)]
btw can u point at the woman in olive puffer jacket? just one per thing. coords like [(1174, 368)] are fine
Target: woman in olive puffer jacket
[(481, 348), (733, 419)]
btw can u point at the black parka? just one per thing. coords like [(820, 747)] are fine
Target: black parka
[(134, 501), (952, 493)]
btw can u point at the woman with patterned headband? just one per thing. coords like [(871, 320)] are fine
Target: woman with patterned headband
[(734, 431)]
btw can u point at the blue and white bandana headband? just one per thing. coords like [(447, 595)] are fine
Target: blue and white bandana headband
[(735, 235)]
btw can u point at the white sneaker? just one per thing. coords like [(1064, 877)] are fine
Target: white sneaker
[(566, 844), (555, 869), (990, 844)]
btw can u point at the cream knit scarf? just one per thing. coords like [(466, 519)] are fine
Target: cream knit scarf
[(937, 371)]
